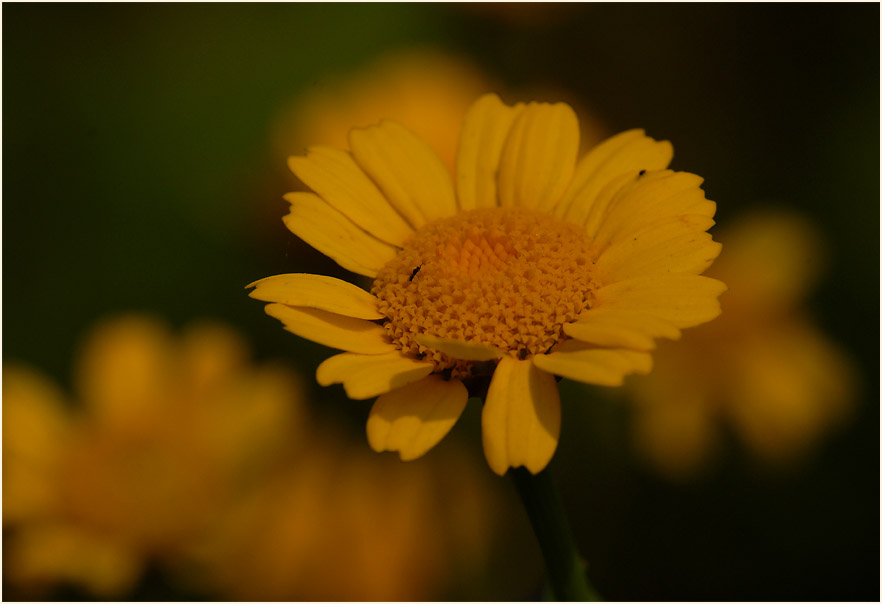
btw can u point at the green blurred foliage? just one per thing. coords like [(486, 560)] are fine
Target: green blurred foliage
[(136, 149)]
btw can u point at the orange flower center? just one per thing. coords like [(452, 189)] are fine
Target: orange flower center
[(503, 277)]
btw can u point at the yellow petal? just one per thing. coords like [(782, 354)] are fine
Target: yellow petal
[(411, 175), (675, 245), (414, 418), (125, 370), (620, 328), (653, 197), (36, 426), (35, 418), (539, 156), (334, 235), (317, 291), (457, 349), (484, 130), (520, 421), (366, 376), (792, 385), (628, 153), (591, 365), (330, 329), (591, 162), (337, 179), (683, 299)]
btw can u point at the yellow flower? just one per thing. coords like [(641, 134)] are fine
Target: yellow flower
[(168, 432), (334, 525), (763, 368), (527, 265)]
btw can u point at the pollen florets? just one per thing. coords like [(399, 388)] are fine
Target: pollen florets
[(503, 277)]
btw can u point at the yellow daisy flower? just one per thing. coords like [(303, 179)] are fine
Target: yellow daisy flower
[(167, 433), (529, 264)]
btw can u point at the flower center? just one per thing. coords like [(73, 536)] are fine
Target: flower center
[(503, 277)]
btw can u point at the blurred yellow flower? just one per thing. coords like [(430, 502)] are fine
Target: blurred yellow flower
[(180, 453), (167, 432), (427, 91), (763, 368), (528, 264), (336, 525)]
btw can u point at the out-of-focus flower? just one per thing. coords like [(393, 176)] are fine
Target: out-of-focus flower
[(529, 264), (338, 525), (180, 453), (763, 368), (167, 433), (427, 91)]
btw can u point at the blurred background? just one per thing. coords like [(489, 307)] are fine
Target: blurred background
[(144, 150)]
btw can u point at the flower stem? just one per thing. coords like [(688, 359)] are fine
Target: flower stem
[(541, 500)]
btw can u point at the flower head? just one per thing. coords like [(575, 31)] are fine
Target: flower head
[(527, 265), (169, 431)]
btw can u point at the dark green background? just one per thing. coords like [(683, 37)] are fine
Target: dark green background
[(136, 147)]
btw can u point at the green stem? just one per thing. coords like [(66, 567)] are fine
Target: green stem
[(542, 502)]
